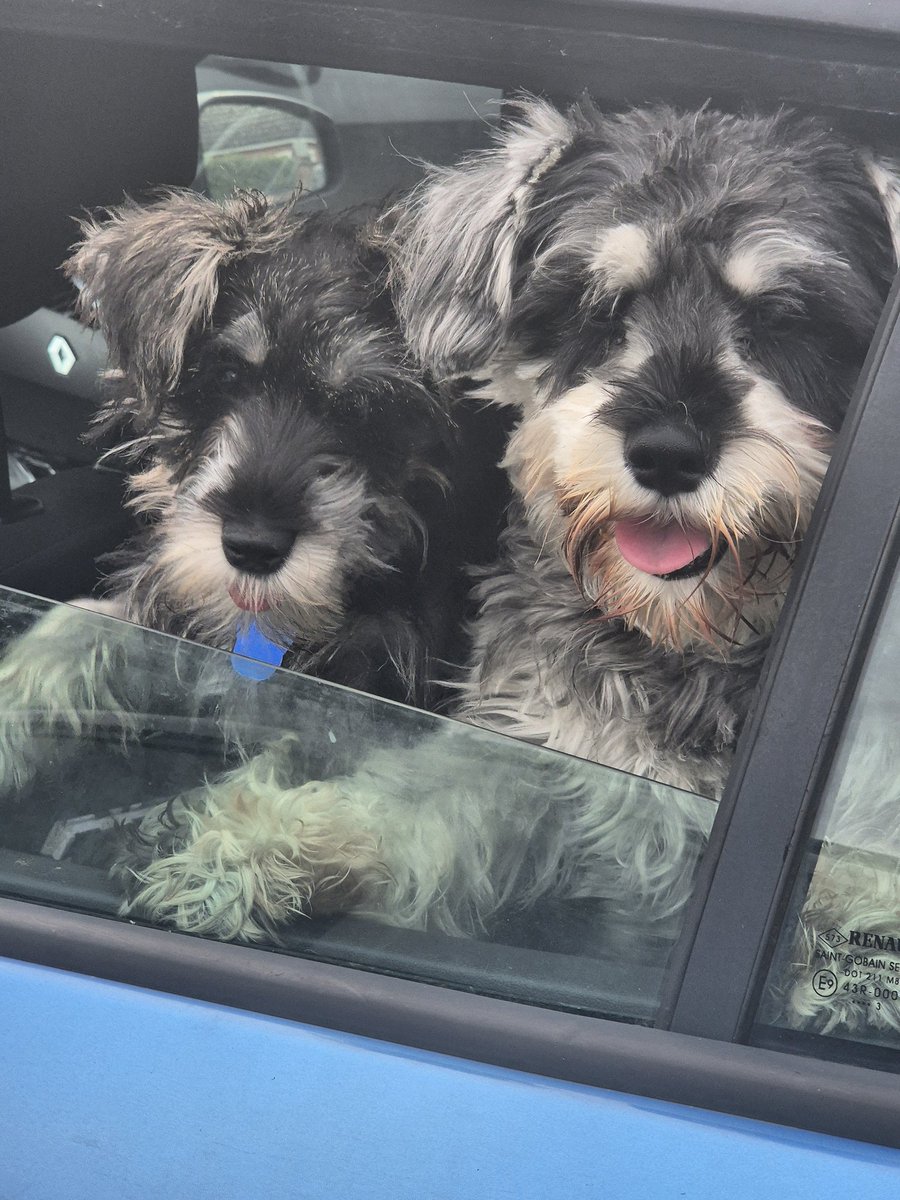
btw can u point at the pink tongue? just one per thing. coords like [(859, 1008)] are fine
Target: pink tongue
[(244, 602), (659, 549)]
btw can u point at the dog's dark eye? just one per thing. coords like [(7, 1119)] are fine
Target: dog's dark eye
[(777, 314), (606, 321), (745, 344), (227, 374), (223, 369), (778, 310), (325, 470), (607, 335)]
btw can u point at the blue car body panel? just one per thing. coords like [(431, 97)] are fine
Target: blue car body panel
[(115, 1092)]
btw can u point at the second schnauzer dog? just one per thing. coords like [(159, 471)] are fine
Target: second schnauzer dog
[(677, 307), (294, 469)]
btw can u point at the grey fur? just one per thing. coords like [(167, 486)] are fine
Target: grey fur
[(548, 671), (662, 230), (157, 269), (290, 463)]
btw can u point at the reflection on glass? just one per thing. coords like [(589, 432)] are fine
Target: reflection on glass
[(836, 969), (294, 814)]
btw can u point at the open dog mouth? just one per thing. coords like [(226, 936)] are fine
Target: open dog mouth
[(667, 549), (246, 602)]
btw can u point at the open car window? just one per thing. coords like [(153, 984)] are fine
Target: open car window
[(183, 721)]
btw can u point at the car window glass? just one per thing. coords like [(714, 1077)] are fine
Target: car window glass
[(836, 968), (315, 787)]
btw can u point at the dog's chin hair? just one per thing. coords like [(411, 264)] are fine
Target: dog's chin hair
[(735, 597), (714, 610), (190, 576)]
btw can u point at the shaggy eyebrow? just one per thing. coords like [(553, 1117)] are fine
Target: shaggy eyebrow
[(247, 337), (623, 257), (759, 261)]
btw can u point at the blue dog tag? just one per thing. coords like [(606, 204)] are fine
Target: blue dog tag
[(250, 641)]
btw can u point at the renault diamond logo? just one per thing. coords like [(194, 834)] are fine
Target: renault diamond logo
[(61, 355)]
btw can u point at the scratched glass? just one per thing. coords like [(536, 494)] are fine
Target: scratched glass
[(103, 724)]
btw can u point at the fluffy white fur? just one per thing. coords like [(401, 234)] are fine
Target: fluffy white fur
[(442, 836)]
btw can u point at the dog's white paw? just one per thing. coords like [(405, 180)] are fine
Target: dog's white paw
[(246, 855), (58, 674)]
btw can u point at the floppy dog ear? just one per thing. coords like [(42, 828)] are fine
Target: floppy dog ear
[(149, 277), (455, 240), (885, 175)]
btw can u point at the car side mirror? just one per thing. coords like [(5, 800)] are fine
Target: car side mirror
[(254, 140)]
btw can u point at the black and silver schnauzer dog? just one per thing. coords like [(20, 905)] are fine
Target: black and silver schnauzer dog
[(678, 307), (295, 471)]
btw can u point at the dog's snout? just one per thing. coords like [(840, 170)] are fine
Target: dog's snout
[(254, 547), (667, 458)]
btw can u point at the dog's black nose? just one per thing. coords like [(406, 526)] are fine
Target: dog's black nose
[(256, 548), (668, 458)]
